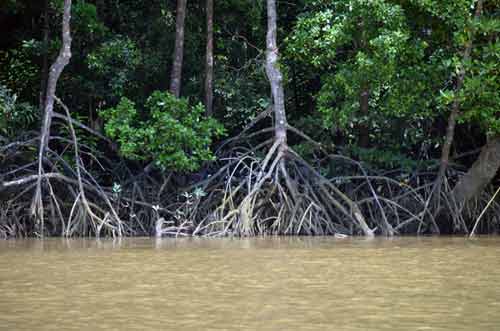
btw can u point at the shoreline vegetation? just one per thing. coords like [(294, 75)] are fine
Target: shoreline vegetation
[(70, 178)]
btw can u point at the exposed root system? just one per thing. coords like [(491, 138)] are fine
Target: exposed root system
[(268, 189)]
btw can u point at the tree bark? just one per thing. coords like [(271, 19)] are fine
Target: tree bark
[(455, 107), (176, 76), (45, 57), (481, 173), (274, 74), (209, 70), (54, 74)]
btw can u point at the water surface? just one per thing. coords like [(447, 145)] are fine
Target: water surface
[(251, 284)]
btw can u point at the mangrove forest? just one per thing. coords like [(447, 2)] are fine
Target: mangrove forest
[(181, 118)]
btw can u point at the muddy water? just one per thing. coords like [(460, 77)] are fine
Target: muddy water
[(251, 284)]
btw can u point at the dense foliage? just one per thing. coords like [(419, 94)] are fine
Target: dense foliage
[(174, 134), (382, 82), (375, 74), (15, 116)]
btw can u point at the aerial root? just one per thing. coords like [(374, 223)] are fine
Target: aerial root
[(282, 194), (264, 189), (69, 201)]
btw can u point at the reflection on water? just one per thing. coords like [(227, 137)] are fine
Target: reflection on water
[(251, 284)]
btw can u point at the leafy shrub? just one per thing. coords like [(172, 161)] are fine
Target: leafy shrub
[(173, 133)]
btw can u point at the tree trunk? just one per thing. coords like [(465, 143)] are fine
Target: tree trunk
[(274, 74), (54, 74), (481, 173), (455, 107), (176, 76), (45, 57), (209, 70)]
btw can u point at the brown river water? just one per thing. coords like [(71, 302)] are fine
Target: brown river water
[(251, 284)]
